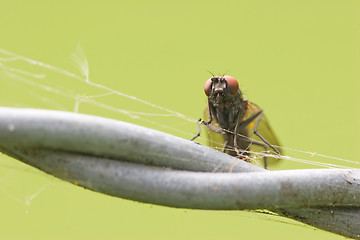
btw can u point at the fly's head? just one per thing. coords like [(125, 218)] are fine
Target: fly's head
[(225, 100), (221, 90)]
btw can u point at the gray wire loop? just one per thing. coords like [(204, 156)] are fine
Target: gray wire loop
[(133, 162)]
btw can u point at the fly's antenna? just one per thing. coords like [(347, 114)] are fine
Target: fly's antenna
[(210, 72), (227, 71)]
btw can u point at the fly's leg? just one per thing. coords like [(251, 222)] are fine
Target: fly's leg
[(208, 125), (235, 141), (239, 152), (199, 122), (212, 128), (199, 130), (261, 137), (258, 115), (225, 143)]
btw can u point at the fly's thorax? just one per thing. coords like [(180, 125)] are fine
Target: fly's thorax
[(221, 98), (227, 109)]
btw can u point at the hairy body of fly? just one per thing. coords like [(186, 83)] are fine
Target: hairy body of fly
[(232, 120)]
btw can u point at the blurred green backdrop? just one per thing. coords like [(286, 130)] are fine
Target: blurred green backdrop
[(298, 60)]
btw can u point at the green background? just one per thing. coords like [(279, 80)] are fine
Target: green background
[(298, 60)]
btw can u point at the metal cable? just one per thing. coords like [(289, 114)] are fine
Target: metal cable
[(137, 163)]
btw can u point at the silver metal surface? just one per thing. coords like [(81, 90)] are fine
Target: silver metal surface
[(128, 161)]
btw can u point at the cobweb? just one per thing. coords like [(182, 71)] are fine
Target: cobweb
[(41, 85)]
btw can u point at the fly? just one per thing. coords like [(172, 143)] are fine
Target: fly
[(233, 119)]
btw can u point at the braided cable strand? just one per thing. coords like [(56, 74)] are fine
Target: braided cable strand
[(133, 162)]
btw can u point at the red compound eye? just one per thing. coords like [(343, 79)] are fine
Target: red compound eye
[(207, 87), (232, 83)]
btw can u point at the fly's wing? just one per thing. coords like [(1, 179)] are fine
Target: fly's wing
[(264, 130)]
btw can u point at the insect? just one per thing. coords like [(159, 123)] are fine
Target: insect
[(234, 121)]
